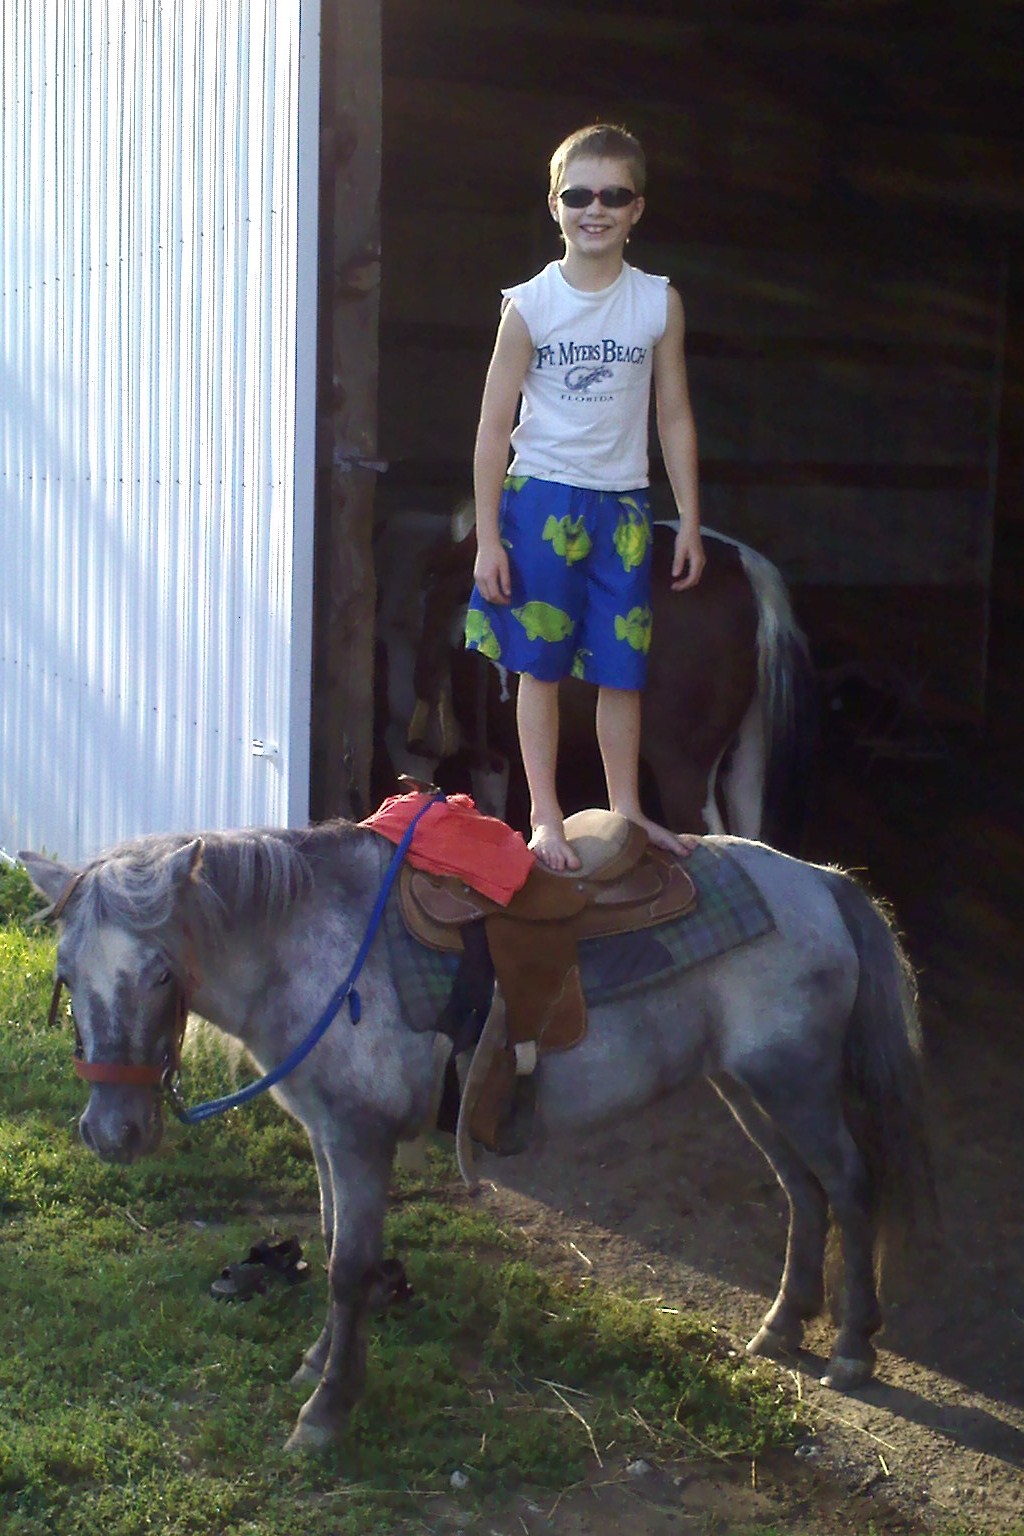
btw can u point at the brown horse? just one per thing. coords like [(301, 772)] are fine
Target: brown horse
[(729, 710)]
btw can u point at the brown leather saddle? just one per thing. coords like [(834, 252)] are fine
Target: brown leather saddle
[(624, 884)]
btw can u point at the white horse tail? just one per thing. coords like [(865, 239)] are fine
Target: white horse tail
[(883, 1072), (775, 746)]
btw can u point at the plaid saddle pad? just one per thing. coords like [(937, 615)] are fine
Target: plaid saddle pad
[(730, 911)]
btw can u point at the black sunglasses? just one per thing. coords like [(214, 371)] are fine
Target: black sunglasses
[(608, 197)]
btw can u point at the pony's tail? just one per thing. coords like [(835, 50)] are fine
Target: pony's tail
[(788, 692), (883, 1076)]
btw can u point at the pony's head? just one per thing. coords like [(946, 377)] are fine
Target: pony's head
[(122, 954)]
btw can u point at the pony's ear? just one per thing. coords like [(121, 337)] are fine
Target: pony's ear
[(184, 865), (48, 877)]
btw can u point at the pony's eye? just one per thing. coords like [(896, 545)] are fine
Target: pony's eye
[(163, 979)]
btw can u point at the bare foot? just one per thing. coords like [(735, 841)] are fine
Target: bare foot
[(681, 843), (551, 849)]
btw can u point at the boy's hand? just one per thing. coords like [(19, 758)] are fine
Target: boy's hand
[(687, 559), (491, 574)]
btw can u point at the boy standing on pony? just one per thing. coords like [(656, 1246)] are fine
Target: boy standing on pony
[(563, 566)]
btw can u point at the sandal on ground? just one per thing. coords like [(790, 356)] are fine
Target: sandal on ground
[(284, 1259), (237, 1282), (267, 1261)]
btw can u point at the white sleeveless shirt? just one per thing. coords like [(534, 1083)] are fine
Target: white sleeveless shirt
[(584, 416)]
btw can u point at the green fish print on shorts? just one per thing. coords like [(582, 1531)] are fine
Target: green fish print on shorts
[(515, 482), (632, 534), (635, 628), (542, 621), (480, 634), (567, 538), (579, 663)]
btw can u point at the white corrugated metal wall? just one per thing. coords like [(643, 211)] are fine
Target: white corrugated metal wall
[(158, 184)]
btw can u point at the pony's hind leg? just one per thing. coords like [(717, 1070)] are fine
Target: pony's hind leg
[(809, 1118), (743, 780), (801, 1292)]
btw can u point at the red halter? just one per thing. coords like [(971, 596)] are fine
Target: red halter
[(127, 1073)]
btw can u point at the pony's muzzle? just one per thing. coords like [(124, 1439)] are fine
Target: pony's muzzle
[(120, 1125)]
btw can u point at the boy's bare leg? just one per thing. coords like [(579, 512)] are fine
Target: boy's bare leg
[(618, 736), (537, 719)]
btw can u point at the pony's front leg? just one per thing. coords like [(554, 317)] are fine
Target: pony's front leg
[(314, 1360), (359, 1180)]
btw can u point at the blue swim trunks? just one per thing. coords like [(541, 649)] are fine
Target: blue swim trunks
[(580, 563)]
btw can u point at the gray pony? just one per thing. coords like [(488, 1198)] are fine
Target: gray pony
[(809, 1033)]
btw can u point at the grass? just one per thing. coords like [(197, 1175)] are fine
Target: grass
[(131, 1402), (19, 901)]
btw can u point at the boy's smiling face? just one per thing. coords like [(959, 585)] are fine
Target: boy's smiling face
[(595, 230)]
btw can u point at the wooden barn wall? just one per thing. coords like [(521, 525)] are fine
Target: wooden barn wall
[(840, 239), (346, 450)]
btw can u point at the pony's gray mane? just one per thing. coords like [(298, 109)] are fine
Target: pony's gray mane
[(134, 884)]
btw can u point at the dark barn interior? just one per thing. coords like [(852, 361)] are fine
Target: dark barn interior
[(836, 189), (835, 192)]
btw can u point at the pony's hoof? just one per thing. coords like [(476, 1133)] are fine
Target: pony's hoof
[(767, 1341), (846, 1374), (305, 1376), (308, 1439)]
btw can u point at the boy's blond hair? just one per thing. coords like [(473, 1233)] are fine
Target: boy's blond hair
[(601, 141)]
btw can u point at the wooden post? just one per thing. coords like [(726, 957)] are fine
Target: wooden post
[(349, 300)]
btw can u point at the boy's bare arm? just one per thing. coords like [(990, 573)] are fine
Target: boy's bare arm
[(509, 362), (677, 433)]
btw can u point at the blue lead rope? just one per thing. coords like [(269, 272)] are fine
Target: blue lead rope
[(347, 989)]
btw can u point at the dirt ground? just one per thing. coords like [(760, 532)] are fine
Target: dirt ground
[(679, 1203)]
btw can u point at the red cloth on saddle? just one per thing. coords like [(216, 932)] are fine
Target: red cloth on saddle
[(456, 839)]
